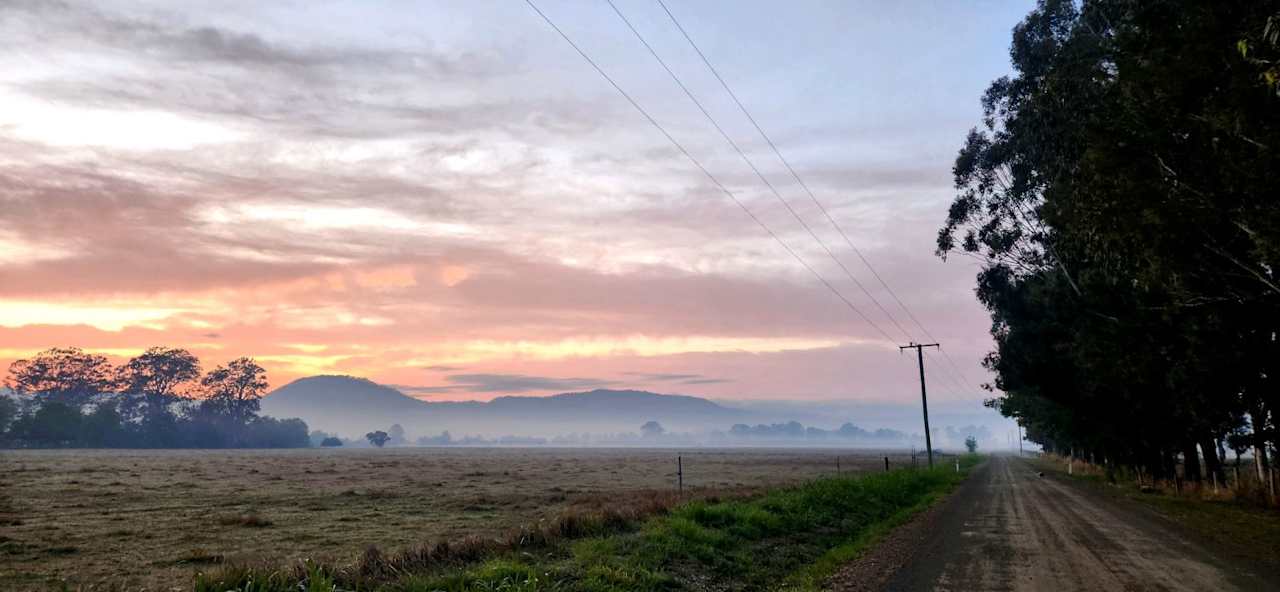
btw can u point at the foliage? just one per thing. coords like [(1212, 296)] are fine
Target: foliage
[(331, 441), (971, 444), (68, 398), (652, 429), (64, 375), (153, 382), (396, 432), (1121, 196), (378, 438), (231, 396), (8, 412)]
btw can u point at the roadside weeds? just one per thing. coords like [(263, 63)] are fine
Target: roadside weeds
[(792, 538)]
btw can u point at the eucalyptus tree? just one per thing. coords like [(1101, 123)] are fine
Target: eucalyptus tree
[(1120, 194)]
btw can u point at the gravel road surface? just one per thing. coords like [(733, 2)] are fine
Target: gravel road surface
[(1007, 528)]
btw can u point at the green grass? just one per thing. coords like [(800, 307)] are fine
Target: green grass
[(789, 538)]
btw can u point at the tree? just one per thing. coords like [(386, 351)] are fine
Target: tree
[(397, 435), (233, 392), (62, 375), (1120, 196), (378, 438), (54, 424), (8, 413), (331, 441), (154, 381), (103, 428), (269, 432), (971, 443), (652, 429)]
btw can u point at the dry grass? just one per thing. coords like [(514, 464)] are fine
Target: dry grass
[(1241, 483), (116, 519)]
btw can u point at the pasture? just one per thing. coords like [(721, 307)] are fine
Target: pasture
[(150, 519)]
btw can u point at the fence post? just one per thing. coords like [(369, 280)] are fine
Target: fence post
[(886, 464), (957, 464), (680, 474), (837, 464)]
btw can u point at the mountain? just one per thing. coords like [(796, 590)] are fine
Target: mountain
[(352, 406), (605, 401)]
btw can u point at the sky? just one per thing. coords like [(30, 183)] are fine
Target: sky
[(446, 197)]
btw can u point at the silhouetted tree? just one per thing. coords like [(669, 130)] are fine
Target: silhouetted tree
[(60, 383), (378, 438), (396, 432), (233, 392), (150, 384), (54, 424), (971, 444), (62, 375), (8, 413), (331, 441), (652, 429), (269, 432), (103, 427)]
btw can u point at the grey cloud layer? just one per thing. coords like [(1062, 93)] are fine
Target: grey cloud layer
[(580, 219)]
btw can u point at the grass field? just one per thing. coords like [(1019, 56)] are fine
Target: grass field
[(109, 519), (791, 537)]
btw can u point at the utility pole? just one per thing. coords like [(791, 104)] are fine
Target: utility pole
[(924, 397), (1020, 440)]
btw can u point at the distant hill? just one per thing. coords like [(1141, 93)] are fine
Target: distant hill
[(352, 406)]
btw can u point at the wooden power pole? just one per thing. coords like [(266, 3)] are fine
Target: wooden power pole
[(924, 397)]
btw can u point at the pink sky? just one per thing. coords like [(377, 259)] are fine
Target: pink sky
[(462, 207)]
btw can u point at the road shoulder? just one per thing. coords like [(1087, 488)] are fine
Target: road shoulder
[(873, 569), (1243, 537)]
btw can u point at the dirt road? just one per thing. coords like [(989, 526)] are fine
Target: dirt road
[(1009, 529)]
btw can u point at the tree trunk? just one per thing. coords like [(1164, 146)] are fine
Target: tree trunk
[(1190, 463), (1212, 462), (1258, 423)]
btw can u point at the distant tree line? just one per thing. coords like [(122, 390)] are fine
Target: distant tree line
[(1122, 197), (65, 397), (794, 430)]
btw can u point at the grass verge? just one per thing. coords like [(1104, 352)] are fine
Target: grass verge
[(789, 538)]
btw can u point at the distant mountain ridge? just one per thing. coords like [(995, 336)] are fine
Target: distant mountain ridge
[(351, 406)]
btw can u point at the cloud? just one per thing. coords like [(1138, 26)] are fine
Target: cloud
[(692, 379), (519, 383), (447, 193), (705, 381)]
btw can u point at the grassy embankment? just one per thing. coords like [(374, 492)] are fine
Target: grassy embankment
[(789, 538), (1235, 524)]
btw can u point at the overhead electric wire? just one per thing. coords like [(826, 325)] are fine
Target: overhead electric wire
[(688, 93), (809, 192), (702, 168)]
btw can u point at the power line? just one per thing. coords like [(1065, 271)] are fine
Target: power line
[(688, 93), (810, 193), (702, 168)]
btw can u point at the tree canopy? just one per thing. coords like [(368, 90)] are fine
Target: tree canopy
[(158, 399), (1121, 196)]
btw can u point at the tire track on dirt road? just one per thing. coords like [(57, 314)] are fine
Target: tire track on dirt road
[(1008, 529)]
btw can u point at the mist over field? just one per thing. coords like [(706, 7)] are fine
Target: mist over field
[(348, 407)]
